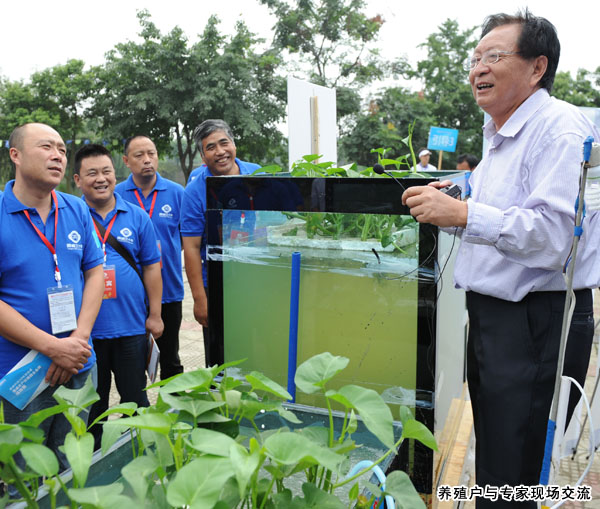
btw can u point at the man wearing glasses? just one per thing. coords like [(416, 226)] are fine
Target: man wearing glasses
[(516, 232)]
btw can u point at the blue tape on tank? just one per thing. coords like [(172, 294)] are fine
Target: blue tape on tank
[(293, 334), (545, 473)]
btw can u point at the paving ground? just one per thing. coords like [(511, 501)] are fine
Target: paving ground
[(192, 357)]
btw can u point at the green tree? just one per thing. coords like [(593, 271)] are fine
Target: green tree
[(56, 96), (164, 87), (385, 124), (445, 101), (584, 90), (333, 42), (447, 87), (18, 105), (63, 92)]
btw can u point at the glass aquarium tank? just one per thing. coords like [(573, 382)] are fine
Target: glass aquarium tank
[(374, 286)]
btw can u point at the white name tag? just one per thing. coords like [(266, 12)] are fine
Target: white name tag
[(62, 309)]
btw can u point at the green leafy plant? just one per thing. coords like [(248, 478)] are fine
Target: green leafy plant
[(200, 446), (309, 166), (384, 228)]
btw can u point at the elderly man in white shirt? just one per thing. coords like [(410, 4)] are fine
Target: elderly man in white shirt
[(516, 231)]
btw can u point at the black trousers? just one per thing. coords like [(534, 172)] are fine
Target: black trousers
[(512, 357), (168, 343)]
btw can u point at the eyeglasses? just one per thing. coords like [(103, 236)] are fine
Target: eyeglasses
[(489, 57)]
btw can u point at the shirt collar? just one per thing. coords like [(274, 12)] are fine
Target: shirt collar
[(159, 185), (14, 205), (240, 165), (119, 205), (519, 118)]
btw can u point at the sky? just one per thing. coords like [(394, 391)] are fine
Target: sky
[(40, 34)]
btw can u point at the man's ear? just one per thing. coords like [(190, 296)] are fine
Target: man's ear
[(126, 161), (539, 69), (14, 154), (76, 179)]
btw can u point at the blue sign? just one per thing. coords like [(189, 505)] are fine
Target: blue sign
[(441, 138)]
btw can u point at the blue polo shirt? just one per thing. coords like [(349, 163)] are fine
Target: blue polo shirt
[(27, 266), (195, 172), (203, 168), (193, 208), (126, 314), (165, 218)]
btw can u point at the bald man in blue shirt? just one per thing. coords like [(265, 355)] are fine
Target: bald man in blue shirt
[(47, 244), (161, 199)]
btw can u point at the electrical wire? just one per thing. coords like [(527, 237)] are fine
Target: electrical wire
[(591, 425)]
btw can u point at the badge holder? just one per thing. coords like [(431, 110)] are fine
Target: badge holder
[(110, 282), (61, 301)]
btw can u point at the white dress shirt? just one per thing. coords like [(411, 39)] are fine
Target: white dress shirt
[(522, 208), (425, 169)]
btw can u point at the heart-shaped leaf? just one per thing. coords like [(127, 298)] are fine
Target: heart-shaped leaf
[(40, 459), (314, 373)]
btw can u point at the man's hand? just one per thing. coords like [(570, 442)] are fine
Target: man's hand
[(440, 184), (70, 354), (429, 205), (201, 311), (57, 375), (155, 326)]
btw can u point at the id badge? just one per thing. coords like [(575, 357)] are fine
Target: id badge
[(62, 309), (110, 282)]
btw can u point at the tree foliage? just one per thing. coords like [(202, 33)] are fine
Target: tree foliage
[(332, 43), (385, 124), (332, 36), (445, 101), (164, 87), (447, 85), (56, 96), (584, 90)]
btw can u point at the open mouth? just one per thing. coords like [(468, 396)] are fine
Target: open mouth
[(483, 86)]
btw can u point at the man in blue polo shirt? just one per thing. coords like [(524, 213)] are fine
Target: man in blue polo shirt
[(48, 250), (133, 286), (215, 142), (161, 199)]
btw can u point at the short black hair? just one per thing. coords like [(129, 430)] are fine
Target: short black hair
[(470, 159), (538, 37), (208, 127), (131, 138), (90, 150), (17, 136)]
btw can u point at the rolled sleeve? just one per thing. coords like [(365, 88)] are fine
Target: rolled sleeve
[(484, 224)]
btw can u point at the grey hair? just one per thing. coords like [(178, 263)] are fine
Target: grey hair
[(208, 127)]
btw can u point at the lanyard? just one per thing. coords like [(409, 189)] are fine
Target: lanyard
[(139, 199), (106, 234), (51, 248)]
